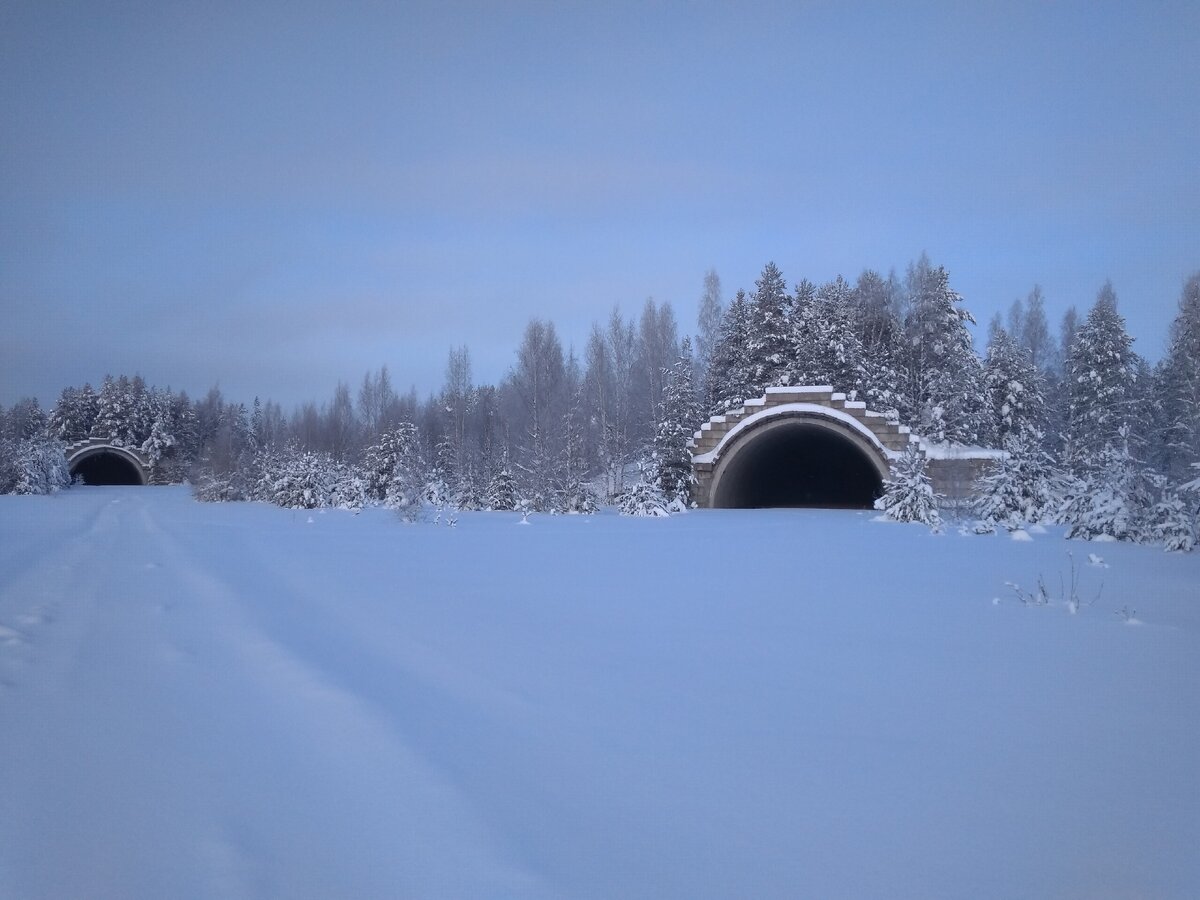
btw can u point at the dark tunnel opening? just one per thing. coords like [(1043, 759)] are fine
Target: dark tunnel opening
[(106, 468), (798, 464)]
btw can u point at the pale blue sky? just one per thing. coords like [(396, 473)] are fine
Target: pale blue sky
[(278, 196)]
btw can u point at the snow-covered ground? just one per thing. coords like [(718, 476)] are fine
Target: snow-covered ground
[(235, 700)]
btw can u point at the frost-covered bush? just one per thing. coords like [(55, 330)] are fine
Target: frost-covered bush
[(908, 495), (36, 465)]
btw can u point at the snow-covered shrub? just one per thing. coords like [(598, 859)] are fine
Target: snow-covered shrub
[(213, 487), (348, 486), (578, 498), (908, 495), (644, 498), (298, 480), (36, 465)]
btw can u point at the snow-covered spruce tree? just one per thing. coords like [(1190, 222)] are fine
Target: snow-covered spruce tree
[(470, 497), (502, 491), (573, 494), (35, 465), (1022, 486), (442, 487), (768, 345), (73, 415), (681, 418), (644, 497), (160, 445), (392, 458), (1101, 369), (1014, 392), (825, 347), (1112, 499), (1173, 523), (729, 382), (1178, 385), (908, 494), (944, 376), (26, 420), (999, 500)]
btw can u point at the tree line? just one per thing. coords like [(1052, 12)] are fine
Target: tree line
[(565, 430)]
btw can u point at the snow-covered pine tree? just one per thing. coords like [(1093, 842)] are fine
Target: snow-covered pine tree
[(69, 421), (708, 322), (998, 497), (729, 381), (442, 487), (1014, 392), (391, 467), (644, 497), (875, 302), (469, 495), (944, 376), (35, 465), (502, 491), (828, 339), (1178, 385), (681, 418), (115, 412), (1174, 523), (1022, 486), (1034, 335), (1113, 497), (573, 493), (908, 494), (1100, 372), (768, 344)]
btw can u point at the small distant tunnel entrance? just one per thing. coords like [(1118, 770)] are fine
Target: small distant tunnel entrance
[(797, 464), (106, 467)]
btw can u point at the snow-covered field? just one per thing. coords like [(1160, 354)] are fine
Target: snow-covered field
[(235, 700)]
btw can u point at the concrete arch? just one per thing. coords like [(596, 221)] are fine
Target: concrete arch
[(798, 454), (108, 463), (850, 432)]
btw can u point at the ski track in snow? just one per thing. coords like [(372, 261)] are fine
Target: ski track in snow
[(235, 701)]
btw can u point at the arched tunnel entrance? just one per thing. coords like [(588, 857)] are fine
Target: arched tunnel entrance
[(106, 467), (796, 463)]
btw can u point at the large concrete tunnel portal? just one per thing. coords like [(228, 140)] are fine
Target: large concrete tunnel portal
[(106, 467), (791, 463)]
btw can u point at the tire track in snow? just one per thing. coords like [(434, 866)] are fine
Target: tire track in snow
[(46, 582)]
